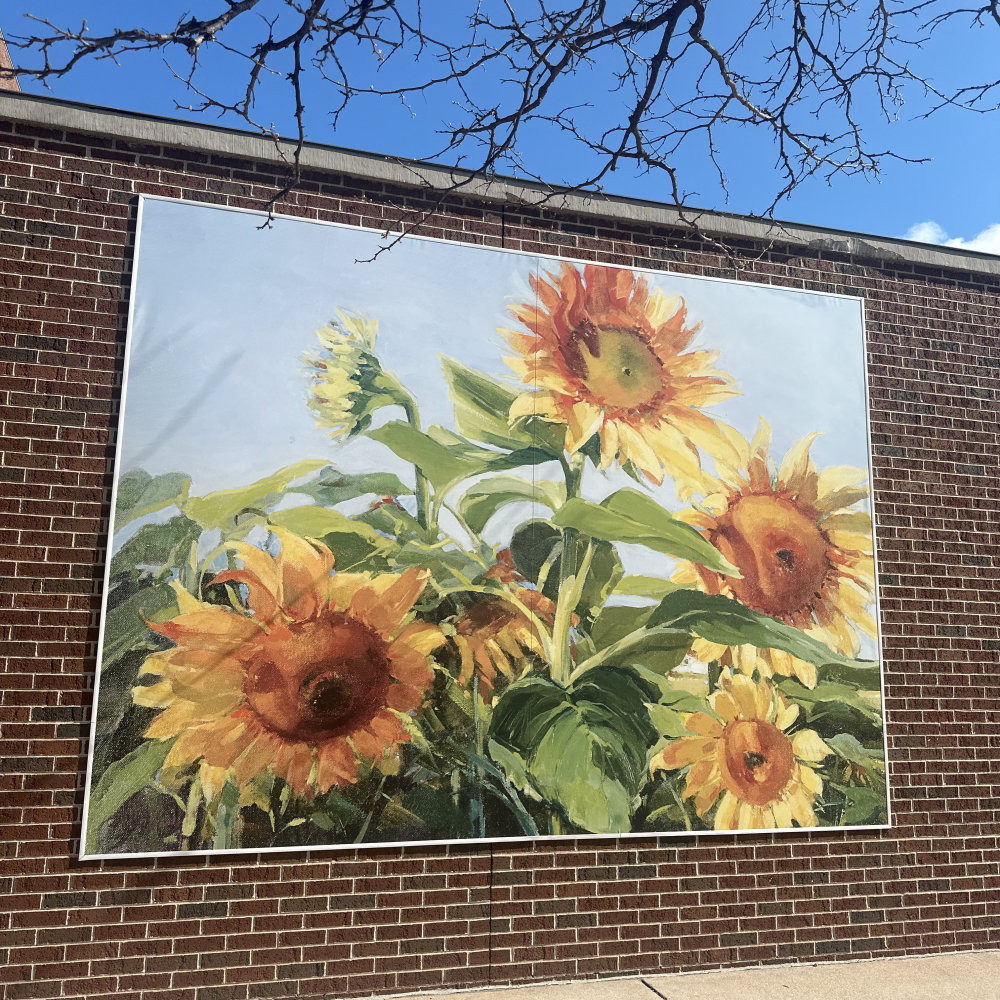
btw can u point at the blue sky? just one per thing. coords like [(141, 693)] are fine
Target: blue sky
[(952, 199)]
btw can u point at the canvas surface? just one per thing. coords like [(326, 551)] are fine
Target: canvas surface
[(459, 543)]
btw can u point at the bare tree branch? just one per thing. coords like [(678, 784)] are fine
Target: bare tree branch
[(667, 87)]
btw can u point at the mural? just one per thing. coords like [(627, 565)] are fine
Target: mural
[(461, 543)]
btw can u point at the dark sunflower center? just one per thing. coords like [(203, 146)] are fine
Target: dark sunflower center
[(322, 678), (617, 365), (780, 551), (330, 699), (757, 760)]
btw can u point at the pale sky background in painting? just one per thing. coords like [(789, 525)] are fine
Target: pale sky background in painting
[(224, 310)]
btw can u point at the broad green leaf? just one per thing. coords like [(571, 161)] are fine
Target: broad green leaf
[(119, 783), (645, 586), (668, 810), (316, 522), (861, 674), (659, 532), (440, 464), (354, 543), (536, 547), (835, 709), (582, 749), (604, 573), (437, 811), (157, 546), (330, 486), (391, 519), (115, 695), (850, 749), (863, 806), (723, 620), (818, 699), (666, 718), (485, 459), (124, 627), (482, 406), (449, 567), (617, 621), (217, 510), (139, 493), (479, 503), (227, 814), (659, 652), (531, 546)]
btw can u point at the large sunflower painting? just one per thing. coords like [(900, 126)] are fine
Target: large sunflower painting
[(461, 544)]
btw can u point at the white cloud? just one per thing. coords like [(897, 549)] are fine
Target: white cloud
[(988, 241)]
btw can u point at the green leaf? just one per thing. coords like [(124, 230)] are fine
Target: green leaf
[(450, 567), (725, 621), (863, 806), (666, 719), (330, 486), (531, 545), (218, 509), (630, 516), (486, 460), (441, 465), (617, 621), (479, 503), (157, 546), (481, 406), (605, 571), (226, 816), (819, 698), (645, 586), (850, 749), (353, 542), (582, 750), (139, 493), (862, 674), (391, 519), (316, 522), (119, 783), (124, 627), (660, 652), (835, 709)]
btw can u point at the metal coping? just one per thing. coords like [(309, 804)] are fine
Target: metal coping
[(30, 109)]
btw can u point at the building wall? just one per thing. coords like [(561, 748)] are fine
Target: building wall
[(379, 921)]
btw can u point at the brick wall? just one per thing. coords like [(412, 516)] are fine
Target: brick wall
[(363, 922)]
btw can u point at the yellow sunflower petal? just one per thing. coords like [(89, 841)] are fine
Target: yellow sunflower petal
[(807, 745), (727, 815)]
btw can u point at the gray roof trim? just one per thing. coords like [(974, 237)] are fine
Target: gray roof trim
[(30, 109)]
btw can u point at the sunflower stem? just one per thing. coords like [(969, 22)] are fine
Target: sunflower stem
[(714, 673), (570, 577), (477, 814), (422, 487)]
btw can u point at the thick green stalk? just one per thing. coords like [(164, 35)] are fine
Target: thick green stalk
[(570, 578), (422, 487)]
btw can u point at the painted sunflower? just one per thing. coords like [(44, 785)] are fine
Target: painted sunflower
[(803, 547), (743, 754), (493, 635), (309, 681), (604, 356), (347, 382)]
